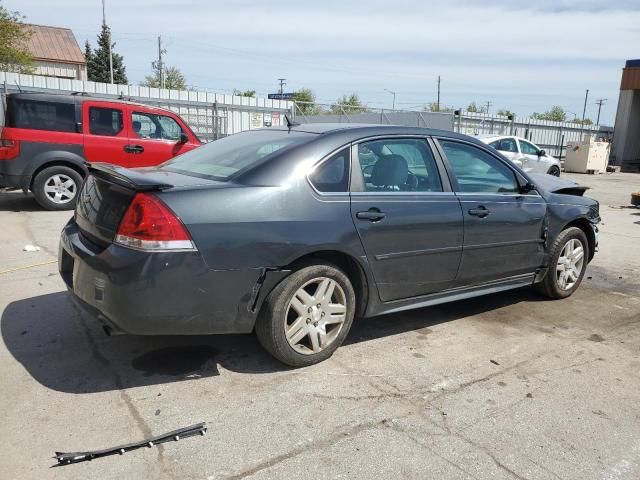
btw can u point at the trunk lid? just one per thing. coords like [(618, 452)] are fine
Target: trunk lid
[(109, 189)]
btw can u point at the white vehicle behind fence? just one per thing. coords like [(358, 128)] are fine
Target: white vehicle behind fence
[(525, 154)]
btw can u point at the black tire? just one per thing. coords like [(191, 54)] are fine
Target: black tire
[(549, 286), (555, 171), (272, 321), (46, 177)]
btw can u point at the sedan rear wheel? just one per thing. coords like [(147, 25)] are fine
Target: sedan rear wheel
[(307, 316)]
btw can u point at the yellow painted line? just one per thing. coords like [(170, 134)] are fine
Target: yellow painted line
[(28, 266)]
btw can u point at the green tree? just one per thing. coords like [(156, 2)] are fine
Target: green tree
[(306, 101), (173, 78), (587, 121), (434, 107), (506, 112), (556, 114), (98, 61), (14, 55), (348, 104), (246, 93), (473, 108)]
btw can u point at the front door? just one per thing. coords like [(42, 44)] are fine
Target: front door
[(155, 138), (531, 158), (503, 229), (105, 127), (407, 217)]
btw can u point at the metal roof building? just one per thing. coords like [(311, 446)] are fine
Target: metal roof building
[(56, 52)]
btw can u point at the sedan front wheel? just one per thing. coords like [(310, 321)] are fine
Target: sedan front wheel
[(569, 259), (307, 316)]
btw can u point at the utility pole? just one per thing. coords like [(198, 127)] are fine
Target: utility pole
[(104, 23), (282, 84), (600, 102), (489, 104), (584, 110), (160, 65), (438, 102)]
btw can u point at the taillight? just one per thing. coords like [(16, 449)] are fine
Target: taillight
[(148, 224), (9, 149)]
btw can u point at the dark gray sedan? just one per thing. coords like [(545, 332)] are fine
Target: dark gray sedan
[(293, 232)]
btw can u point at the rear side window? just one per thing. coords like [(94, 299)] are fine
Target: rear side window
[(333, 174), (505, 145), (235, 154), (398, 165), (41, 115), (105, 121)]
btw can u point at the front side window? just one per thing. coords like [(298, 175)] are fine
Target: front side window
[(527, 148), (505, 145), (105, 121), (41, 115), (478, 171), (235, 154), (333, 174), (150, 125), (400, 165)]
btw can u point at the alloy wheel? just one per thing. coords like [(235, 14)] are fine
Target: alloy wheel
[(570, 264), (60, 188), (315, 315)]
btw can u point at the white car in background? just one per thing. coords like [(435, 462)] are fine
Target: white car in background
[(525, 154)]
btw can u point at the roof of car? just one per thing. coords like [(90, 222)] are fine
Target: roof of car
[(72, 97), (368, 129)]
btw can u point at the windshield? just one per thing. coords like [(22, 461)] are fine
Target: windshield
[(221, 159)]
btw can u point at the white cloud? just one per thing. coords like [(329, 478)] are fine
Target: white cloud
[(520, 54)]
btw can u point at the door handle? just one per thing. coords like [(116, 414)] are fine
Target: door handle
[(133, 148), (373, 215), (481, 211)]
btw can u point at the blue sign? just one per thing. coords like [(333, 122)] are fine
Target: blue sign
[(280, 96)]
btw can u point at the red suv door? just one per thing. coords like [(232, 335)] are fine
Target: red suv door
[(157, 136), (105, 126)]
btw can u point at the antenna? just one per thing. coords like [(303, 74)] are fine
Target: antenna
[(18, 85), (290, 123)]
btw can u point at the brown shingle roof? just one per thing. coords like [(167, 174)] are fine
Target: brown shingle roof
[(54, 44)]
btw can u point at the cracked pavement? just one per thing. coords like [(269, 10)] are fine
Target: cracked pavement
[(508, 386)]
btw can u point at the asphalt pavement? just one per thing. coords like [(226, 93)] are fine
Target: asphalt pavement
[(508, 386)]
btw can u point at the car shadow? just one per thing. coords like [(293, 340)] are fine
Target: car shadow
[(66, 350), (17, 201)]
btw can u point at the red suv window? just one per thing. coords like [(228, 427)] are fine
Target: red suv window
[(105, 121)]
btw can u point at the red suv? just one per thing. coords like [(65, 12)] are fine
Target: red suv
[(47, 139)]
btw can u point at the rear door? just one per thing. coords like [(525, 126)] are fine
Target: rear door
[(503, 229), (407, 217), (105, 127), (156, 136)]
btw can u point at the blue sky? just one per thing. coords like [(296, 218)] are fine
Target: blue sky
[(521, 55)]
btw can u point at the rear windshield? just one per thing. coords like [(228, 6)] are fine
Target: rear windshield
[(39, 115), (231, 155)]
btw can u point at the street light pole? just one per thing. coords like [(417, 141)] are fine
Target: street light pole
[(393, 108)]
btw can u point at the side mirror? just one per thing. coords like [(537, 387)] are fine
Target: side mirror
[(184, 138), (541, 153), (527, 187)]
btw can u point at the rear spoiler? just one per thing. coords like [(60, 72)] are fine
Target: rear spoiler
[(125, 177)]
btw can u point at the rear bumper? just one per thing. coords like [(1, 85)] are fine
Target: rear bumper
[(157, 293)]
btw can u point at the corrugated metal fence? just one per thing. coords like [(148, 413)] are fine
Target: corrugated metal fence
[(210, 115), (552, 136)]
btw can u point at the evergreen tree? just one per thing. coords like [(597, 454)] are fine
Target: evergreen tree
[(98, 60)]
